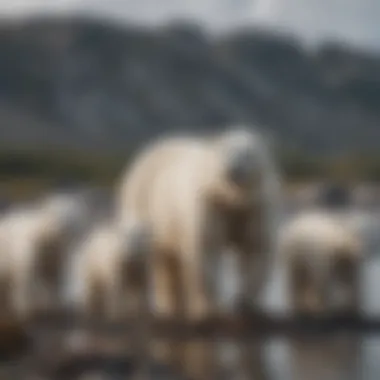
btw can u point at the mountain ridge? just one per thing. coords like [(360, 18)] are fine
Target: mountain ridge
[(90, 83)]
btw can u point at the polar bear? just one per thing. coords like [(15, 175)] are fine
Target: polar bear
[(106, 271), (323, 253), (201, 195), (34, 239), (107, 277)]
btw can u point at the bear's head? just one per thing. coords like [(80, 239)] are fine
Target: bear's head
[(244, 162)]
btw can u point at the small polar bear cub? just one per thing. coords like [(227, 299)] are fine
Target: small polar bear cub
[(109, 268), (33, 243), (322, 257)]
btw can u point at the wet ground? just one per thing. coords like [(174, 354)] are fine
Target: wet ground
[(277, 355)]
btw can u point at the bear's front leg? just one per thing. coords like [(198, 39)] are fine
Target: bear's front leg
[(254, 260), (199, 261)]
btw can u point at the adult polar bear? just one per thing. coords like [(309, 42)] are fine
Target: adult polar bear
[(202, 195)]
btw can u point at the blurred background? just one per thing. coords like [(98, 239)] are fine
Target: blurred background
[(85, 83)]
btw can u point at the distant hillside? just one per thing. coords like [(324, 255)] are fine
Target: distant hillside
[(77, 82)]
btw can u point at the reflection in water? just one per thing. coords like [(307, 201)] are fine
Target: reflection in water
[(327, 358)]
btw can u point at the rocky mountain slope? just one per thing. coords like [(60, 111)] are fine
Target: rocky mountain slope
[(84, 83)]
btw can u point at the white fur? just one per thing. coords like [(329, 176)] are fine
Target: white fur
[(99, 268), (23, 233), (321, 230), (170, 185), (313, 245)]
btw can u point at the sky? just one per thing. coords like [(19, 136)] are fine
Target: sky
[(355, 21)]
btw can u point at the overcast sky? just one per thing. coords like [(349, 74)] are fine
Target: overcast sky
[(357, 21)]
